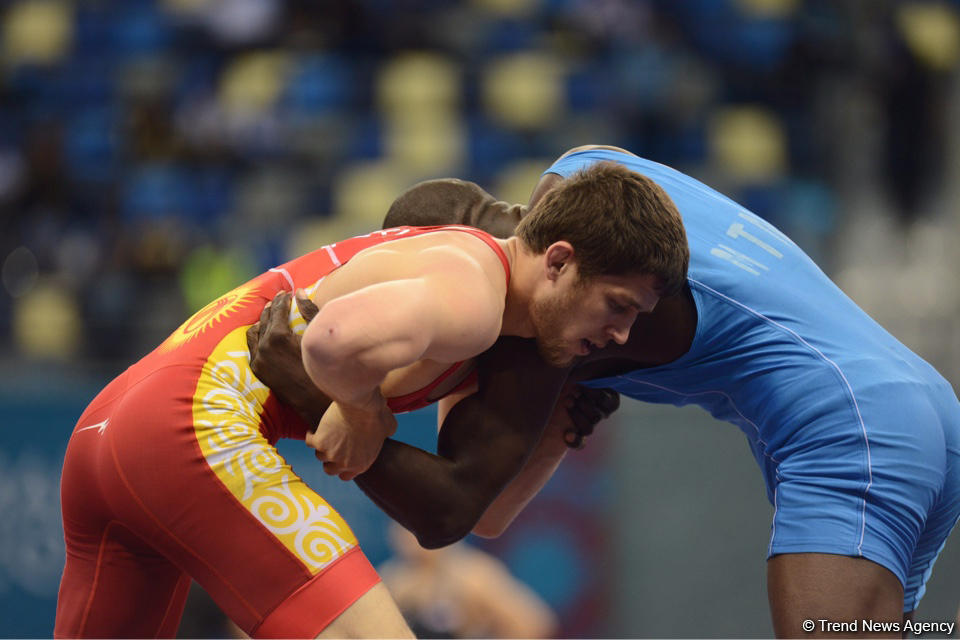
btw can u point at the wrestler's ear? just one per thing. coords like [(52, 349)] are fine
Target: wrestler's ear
[(558, 259)]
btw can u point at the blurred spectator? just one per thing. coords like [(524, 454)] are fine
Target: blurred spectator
[(454, 592), (461, 592), (202, 618), (135, 133)]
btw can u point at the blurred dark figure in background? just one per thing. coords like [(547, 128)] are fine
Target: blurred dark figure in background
[(913, 95), (454, 592), (202, 618), (461, 592), (159, 129)]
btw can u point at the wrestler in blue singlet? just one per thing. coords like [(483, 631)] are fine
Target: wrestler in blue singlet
[(857, 437)]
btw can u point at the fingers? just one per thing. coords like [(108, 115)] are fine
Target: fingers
[(265, 314), (574, 439), (585, 415), (330, 467), (306, 306), (586, 408), (333, 469), (276, 314), (608, 401), (278, 310), (274, 319), (253, 339)]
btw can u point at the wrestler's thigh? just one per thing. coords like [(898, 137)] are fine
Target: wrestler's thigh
[(851, 502), (113, 583), (373, 615), (205, 489), (941, 520), (861, 489), (807, 588), (118, 587)]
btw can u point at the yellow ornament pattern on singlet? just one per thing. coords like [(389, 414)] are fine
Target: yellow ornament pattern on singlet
[(226, 411), (207, 317)]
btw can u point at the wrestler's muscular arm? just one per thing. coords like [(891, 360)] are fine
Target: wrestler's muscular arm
[(453, 201), (489, 437), (575, 414), (517, 396), (449, 308), (486, 440), (578, 410), (546, 455)]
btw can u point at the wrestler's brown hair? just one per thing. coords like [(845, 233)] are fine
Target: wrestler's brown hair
[(619, 222)]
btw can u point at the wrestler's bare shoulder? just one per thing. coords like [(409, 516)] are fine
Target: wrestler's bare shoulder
[(440, 250), (443, 254)]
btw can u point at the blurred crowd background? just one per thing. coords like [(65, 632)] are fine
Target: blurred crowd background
[(156, 153), (153, 153)]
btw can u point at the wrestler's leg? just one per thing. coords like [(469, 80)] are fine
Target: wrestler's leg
[(113, 584), (189, 471), (373, 615), (820, 586), (280, 562), (941, 521), (858, 515), (213, 496), (119, 587)]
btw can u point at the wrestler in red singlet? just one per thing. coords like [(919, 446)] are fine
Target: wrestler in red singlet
[(171, 474)]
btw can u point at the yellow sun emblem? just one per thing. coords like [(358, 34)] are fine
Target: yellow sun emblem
[(208, 316)]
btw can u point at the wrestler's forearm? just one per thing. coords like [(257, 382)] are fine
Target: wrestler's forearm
[(306, 399), (537, 471), (485, 441), (432, 498), (580, 409), (416, 488), (441, 497)]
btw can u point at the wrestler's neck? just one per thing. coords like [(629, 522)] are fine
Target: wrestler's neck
[(525, 270)]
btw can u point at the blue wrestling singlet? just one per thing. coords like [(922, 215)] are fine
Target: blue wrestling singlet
[(857, 437)]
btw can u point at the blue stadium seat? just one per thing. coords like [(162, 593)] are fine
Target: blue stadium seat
[(90, 145), (155, 192), (319, 84)]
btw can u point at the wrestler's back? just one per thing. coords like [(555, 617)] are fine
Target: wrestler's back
[(213, 340), (775, 339)]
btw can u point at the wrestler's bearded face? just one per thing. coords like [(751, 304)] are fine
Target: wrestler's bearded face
[(551, 317), (578, 316)]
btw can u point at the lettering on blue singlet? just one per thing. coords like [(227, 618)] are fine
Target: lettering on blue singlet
[(739, 231)]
